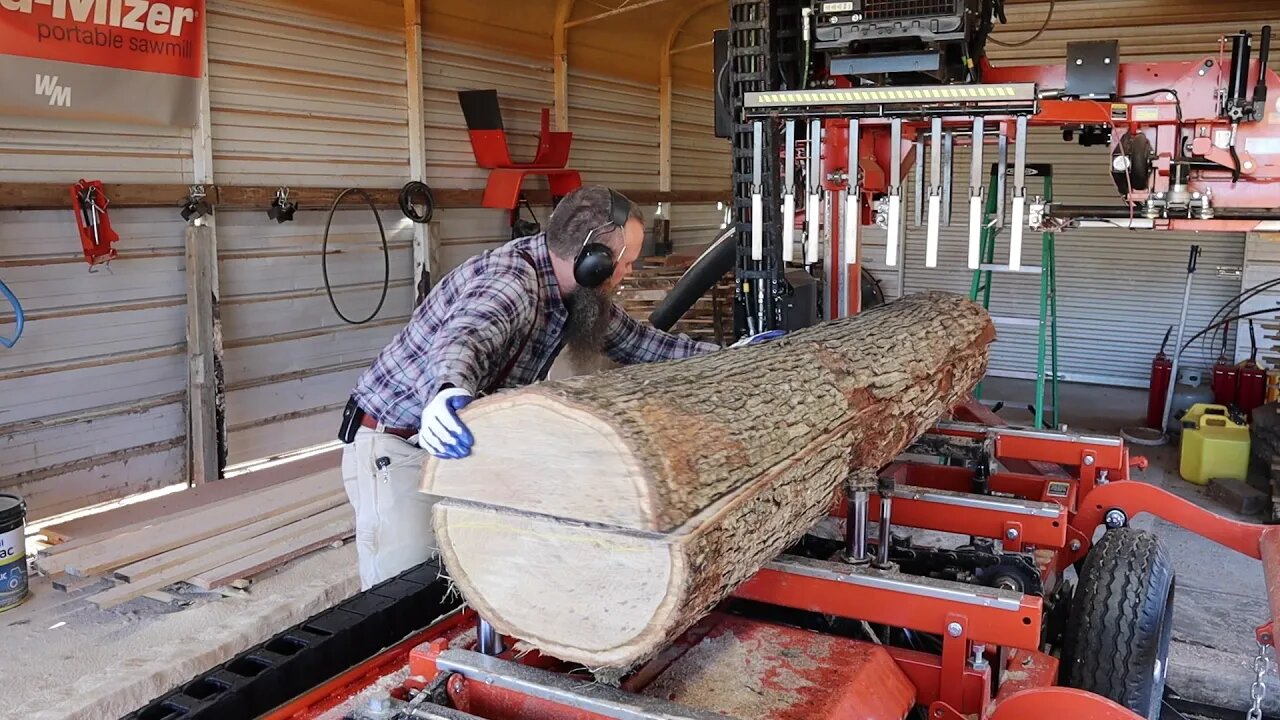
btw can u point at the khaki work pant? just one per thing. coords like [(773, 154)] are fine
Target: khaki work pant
[(393, 519)]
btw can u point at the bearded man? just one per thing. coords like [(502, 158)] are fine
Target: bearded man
[(497, 321)]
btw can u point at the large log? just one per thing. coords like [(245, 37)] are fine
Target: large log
[(601, 516)]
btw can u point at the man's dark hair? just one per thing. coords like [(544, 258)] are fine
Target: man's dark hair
[(580, 212)]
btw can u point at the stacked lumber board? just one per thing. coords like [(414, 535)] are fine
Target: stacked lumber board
[(209, 545), (709, 320), (124, 515)]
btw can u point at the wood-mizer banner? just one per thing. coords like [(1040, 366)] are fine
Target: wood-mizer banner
[(129, 61)]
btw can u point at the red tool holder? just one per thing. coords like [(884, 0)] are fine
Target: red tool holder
[(96, 236), (506, 176)]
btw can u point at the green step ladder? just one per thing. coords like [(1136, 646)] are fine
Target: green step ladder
[(1047, 322)]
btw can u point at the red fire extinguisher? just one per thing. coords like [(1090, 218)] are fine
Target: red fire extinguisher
[(1252, 389), (1224, 377), (1161, 374)]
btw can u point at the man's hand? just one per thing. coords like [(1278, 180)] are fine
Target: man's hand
[(759, 338), (442, 433)]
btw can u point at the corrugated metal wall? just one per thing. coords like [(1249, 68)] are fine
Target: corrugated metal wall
[(299, 100), (94, 404), (615, 125), (49, 150), (92, 395), (290, 361), (1261, 265), (303, 101), (1146, 29), (615, 131), (699, 159)]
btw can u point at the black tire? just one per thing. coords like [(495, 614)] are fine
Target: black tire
[(1117, 640)]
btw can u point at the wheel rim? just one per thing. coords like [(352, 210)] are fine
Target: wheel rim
[(1160, 668)]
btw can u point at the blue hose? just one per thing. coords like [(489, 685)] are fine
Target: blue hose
[(19, 317)]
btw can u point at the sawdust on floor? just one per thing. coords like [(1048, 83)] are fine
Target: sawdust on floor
[(729, 675), (64, 658)]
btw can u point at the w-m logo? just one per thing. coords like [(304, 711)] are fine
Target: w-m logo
[(47, 86)]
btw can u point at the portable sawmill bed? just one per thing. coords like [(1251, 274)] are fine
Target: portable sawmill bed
[(982, 629)]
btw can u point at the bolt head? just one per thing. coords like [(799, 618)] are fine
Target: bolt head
[(1075, 546), (1106, 61), (1011, 533), (1115, 518), (1079, 61), (954, 629), (1248, 165), (1088, 460)]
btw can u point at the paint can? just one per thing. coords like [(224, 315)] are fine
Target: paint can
[(13, 555)]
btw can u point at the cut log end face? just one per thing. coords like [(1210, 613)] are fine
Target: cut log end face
[(601, 516)]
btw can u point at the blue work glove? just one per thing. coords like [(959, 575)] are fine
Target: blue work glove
[(441, 432), (758, 338)]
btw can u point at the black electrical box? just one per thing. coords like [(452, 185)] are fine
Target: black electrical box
[(800, 305), (1093, 69)]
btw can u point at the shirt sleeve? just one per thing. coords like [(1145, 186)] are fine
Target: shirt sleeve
[(485, 327), (630, 343)]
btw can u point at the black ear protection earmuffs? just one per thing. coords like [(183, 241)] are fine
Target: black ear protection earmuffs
[(594, 263)]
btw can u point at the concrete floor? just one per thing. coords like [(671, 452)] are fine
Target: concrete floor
[(1219, 597)]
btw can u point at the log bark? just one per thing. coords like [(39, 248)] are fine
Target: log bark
[(601, 516)]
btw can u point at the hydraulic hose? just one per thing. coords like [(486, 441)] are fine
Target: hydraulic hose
[(19, 317), (705, 272)]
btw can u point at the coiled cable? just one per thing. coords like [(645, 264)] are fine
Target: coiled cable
[(386, 255)]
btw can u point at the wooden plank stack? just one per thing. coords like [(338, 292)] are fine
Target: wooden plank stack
[(209, 545), (709, 320)]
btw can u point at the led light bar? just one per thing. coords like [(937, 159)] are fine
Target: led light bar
[(928, 94)]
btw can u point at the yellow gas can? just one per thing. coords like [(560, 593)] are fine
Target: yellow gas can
[(1213, 446)]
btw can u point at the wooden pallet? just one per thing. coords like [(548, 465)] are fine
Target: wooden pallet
[(710, 319)]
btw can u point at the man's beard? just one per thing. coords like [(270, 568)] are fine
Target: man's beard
[(584, 331)]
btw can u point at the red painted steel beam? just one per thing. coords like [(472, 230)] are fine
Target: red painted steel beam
[(1269, 549), (896, 600), (925, 671), (1135, 498), (923, 513)]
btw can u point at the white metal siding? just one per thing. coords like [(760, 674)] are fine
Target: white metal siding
[(1261, 265), (615, 141), (694, 227), (699, 159), (300, 100), (290, 362), (523, 85), (93, 392), (46, 150), (615, 131), (1118, 290)]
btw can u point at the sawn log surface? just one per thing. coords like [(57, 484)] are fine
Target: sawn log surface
[(601, 516)]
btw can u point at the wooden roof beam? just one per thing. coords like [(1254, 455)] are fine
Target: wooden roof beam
[(626, 8)]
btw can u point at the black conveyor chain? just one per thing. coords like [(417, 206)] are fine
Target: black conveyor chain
[(292, 662)]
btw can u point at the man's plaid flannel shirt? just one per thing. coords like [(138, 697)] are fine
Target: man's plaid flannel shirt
[(466, 330)]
